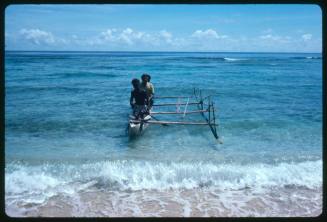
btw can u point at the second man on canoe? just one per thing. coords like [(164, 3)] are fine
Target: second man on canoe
[(147, 86)]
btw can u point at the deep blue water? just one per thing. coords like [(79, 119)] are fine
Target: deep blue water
[(64, 110)]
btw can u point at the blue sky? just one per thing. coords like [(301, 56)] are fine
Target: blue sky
[(240, 28)]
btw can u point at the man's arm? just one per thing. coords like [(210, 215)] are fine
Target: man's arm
[(152, 91), (131, 100)]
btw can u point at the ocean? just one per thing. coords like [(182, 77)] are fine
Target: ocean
[(67, 153)]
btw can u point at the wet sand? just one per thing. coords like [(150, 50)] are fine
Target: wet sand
[(285, 202)]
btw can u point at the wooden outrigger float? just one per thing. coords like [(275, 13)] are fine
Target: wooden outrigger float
[(204, 104)]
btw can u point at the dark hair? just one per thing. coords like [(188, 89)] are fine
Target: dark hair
[(135, 82), (146, 75)]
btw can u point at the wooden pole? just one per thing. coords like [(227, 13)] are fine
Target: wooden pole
[(189, 112), (170, 97), (173, 104), (188, 99), (214, 116), (170, 122), (213, 129)]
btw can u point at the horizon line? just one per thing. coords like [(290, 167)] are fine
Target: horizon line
[(134, 51)]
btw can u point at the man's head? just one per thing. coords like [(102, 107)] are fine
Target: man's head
[(136, 83), (146, 78)]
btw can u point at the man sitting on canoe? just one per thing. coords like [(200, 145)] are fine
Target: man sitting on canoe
[(138, 100), (148, 88)]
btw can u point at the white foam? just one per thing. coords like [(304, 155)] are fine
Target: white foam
[(313, 57), (21, 181), (140, 175), (234, 59)]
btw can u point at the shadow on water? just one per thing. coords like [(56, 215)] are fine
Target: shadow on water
[(118, 136), (133, 142)]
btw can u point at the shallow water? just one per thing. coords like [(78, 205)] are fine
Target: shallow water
[(65, 136)]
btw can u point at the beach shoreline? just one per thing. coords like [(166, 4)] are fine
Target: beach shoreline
[(276, 202)]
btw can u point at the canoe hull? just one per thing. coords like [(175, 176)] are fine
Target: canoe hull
[(137, 129)]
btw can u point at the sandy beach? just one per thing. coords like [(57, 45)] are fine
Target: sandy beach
[(287, 202)]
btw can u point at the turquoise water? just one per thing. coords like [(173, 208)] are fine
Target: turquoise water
[(66, 116)]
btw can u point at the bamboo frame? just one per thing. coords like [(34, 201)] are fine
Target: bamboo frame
[(169, 122), (173, 104), (189, 112), (201, 101), (170, 97)]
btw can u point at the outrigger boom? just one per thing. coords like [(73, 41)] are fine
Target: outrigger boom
[(174, 104), (189, 112), (137, 126), (171, 122)]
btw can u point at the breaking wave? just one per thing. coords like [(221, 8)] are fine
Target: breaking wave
[(36, 183), (306, 57), (234, 59)]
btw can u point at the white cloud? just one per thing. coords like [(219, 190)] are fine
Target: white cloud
[(131, 39), (167, 36), (108, 34), (209, 33), (307, 37), (38, 36), (127, 35), (275, 38), (270, 37)]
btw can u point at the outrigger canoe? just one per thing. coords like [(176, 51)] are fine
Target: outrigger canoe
[(204, 104)]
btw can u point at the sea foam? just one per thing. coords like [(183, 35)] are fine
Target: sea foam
[(139, 175), (234, 59)]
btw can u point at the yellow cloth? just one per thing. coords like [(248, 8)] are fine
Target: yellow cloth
[(149, 89)]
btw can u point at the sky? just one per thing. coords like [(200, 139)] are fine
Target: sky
[(221, 28)]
